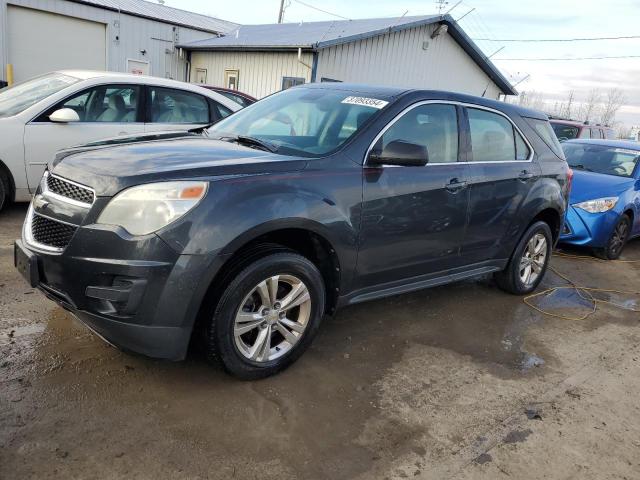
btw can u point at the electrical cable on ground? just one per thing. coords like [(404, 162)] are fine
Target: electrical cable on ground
[(583, 292)]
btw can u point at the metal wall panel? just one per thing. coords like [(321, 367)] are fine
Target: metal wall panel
[(399, 59), (260, 73), (127, 36)]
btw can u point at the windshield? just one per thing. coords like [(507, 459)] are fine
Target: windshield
[(301, 121), (19, 97), (565, 132), (601, 158)]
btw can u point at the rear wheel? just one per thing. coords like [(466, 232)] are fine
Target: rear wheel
[(617, 240), (529, 261), (267, 316)]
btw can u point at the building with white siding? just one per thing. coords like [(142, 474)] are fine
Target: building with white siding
[(428, 52), (38, 36)]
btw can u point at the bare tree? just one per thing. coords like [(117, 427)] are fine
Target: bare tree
[(569, 104), (614, 99), (623, 132), (589, 107)]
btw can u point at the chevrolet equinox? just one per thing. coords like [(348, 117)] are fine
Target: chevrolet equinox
[(314, 198)]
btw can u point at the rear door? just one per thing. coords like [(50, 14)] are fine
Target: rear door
[(414, 217), (501, 174), (105, 111)]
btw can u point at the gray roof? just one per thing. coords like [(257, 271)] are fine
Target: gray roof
[(307, 35), (163, 13), (318, 35)]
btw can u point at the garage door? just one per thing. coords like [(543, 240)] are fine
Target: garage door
[(40, 42)]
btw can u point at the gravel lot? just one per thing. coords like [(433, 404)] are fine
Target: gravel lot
[(461, 381)]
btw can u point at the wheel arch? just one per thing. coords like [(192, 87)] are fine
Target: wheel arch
[(303, 238), (4, 171), (551, 217)]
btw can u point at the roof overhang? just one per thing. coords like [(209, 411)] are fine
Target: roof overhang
[(249, 48)]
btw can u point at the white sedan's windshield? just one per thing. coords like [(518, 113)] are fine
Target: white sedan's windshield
[(17, 98), (301, 121)]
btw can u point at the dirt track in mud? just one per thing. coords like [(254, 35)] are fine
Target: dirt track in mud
[(461, 381)]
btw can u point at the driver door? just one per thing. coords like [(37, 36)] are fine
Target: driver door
[(104, 111), (414, 218)]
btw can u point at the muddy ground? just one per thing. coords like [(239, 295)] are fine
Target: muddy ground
[(461, 381)]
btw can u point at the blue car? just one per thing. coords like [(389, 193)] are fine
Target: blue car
[(604, 211)]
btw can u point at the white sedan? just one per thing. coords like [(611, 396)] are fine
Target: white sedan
[(62, 109)]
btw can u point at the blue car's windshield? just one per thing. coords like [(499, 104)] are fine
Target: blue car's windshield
[(601, 158), (300, 121)]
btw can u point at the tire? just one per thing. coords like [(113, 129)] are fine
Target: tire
[(511, 278), (4, 191), (617, 240), (247, 306)]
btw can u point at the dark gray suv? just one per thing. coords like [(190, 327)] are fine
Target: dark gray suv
[(314, 198)]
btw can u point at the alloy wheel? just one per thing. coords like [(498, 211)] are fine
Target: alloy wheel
[(272, 318), (533, 259), (619, 237)]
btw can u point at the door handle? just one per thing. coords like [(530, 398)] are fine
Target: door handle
[(455, 185), (525, 175)]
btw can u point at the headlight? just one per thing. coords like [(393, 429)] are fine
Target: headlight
[(147, 208), (598, 205)]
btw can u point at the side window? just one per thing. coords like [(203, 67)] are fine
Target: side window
[(522, 150), (492, 137), (585, 133), (168, 105), (218, 111), (434, 126), (105, 103), (288, 82)]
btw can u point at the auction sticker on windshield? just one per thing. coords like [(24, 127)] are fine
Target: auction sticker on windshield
[(367, 102)]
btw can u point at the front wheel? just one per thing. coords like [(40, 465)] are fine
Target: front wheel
[(529, 261), (267, 316), (617, 240)]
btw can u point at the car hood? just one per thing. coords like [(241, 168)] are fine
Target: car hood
[(109, 169), (590, 185)]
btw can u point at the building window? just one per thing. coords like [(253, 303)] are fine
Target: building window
[(288, 82), (231, 79), (201, 75), (329, 80)]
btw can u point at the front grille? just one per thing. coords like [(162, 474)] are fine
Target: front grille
[(51, 233), (69, 190)]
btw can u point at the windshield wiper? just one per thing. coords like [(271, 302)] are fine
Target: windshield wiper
[(581, 167), (251, 142)]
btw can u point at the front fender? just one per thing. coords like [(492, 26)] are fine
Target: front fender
[(238, 210)]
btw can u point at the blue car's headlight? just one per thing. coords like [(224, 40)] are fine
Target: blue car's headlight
[(599, 205)]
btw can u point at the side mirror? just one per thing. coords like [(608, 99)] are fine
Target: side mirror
[(64, 115), (401, 153)]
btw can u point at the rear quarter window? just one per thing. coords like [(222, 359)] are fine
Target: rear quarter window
[(545, 132)]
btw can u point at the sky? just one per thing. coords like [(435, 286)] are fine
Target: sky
[(500, 20)]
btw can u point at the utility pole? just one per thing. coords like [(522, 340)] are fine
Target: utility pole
[(281, 13)]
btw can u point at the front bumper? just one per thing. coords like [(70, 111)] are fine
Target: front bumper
[(588, 229), (137, 293)]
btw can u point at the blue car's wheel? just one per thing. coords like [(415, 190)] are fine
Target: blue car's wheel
[(617, 240)]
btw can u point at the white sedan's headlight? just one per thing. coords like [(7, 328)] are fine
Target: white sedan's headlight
[(598, 205), (147, 208)]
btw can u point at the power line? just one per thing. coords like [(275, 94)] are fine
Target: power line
[(321, 10), (532, 40), (564, 59)]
